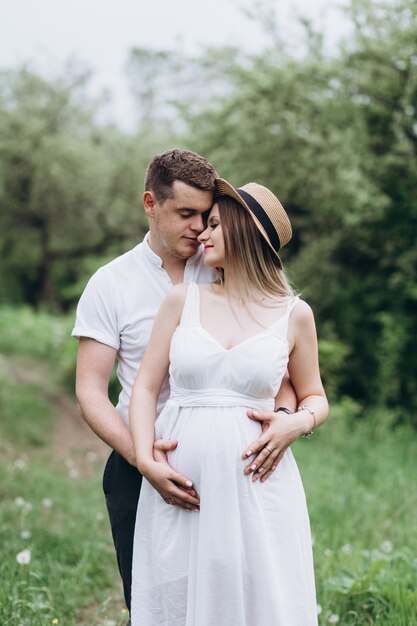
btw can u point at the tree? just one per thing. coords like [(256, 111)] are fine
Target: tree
[(335, 138), (69, 188)]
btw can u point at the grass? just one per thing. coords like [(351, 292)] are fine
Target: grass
[(62, 522), (360, 482), (359, 477)]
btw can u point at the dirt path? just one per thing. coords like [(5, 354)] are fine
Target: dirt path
[(74, 445), (72, 439)]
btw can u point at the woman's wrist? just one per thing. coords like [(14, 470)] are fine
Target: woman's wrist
[(309, 420), (298, 422), (145, 464)]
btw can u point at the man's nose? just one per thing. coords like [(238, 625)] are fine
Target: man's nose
[(198, 224)]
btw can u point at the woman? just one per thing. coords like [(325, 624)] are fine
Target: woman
[(245, 558)]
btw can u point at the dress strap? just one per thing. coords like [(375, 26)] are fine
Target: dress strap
[(191, 311), (280, 328)]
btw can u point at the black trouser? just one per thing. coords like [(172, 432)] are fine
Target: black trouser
[(121, 486)]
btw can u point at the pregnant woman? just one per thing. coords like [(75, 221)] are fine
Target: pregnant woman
[(243, 556)]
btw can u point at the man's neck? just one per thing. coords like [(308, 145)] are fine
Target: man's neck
[(175, 269), (173, 266)]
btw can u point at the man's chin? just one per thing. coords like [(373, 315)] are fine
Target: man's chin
[(189, 249)]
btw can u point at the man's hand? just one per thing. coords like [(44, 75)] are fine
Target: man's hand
[(178, 483), (279, 431)]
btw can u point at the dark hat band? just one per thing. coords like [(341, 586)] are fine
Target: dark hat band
[(263, 218)]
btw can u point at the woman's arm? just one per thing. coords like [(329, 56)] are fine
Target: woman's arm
[(143, 403), (303, 368)]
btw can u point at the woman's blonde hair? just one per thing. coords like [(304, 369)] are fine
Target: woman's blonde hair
[(250, 264)]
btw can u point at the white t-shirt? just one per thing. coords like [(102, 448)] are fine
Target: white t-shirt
[(119, 305)]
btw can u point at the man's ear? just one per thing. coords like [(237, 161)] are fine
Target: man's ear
[(149, 203)]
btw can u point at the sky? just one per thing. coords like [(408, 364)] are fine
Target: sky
[(101, 33)]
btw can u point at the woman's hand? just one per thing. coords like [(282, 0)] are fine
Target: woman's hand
[(279, 431), (171, 486)]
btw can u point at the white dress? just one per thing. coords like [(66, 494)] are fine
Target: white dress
[(245, 558)]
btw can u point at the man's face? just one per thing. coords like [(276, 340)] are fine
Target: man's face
[(177, 222)]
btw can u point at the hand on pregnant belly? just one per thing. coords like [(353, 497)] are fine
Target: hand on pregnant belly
[(173, 487), (278, 433), (210, 444)]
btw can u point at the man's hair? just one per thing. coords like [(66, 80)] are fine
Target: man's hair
[(184, 165), (249, 264)]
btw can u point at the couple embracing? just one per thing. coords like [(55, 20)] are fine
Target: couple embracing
[(228, 380)]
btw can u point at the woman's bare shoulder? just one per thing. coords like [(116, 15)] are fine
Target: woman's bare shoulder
[(175, 298), (302, 313)]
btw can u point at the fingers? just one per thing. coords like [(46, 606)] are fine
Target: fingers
[(270, 462), (259, 460), (258, 416), (265, 463), (265, 417), (166, 445), (172, 486), (183, 492), (161, 447), (181, 481), (268, 473), (176, 496), (255, 447)]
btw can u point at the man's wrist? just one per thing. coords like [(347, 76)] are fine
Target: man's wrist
[(284, 409)]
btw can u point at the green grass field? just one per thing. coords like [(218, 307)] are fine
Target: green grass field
[(57, 564)]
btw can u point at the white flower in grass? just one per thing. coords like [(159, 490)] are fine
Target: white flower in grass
[(327, 552), (26, 534), (47, 503), (319, 609), (73, 473), (333, 618), (20, 464), (99, 516), (23, 558), (91, 456), (347, 548), (28, 506), (19, 501), (387, 546)]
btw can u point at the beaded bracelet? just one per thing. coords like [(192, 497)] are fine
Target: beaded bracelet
[(303, 407)]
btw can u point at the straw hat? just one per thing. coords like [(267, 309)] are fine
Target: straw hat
[(265, 209)]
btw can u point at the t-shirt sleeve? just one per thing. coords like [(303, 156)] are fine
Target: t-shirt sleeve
[(96, 312)]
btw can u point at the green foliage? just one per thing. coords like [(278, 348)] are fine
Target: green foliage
[(359, 480), (62, 522), (25, 416), (50, 490), (335, 136), (336, 139), (35, 334), (69, 188)]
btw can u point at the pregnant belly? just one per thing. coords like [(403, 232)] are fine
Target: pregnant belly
[(211, 441)]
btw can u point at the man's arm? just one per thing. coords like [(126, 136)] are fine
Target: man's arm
[(286, 395), (95, 362)]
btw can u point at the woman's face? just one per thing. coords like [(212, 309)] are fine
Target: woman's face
[(212, 239)]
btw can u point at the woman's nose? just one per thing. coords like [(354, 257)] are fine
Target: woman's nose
[(203, 236)]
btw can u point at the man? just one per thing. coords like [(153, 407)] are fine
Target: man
[(114, 320)]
